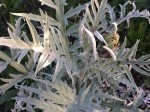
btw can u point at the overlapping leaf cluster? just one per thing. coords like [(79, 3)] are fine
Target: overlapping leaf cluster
[(67, 76)]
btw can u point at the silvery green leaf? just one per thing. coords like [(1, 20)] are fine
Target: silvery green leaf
[(140, 110), (3, 66), (111, 13), (145, 57), (146, 67), (92, 38), (57, 99), (35, 36), (11, 27), (11, 82), (17, 32), (49, 3), (44, 61), (62, 2), (121, 51), (17, 29), (63, 88), (123, 9), (77, 105), (135, 49), (105, 95), (15, 53), (101, 12), (30, 64), (62, 96), (14, 43), (60, 10), (15, 37), (111, 52), (59, 66), (85, 93), (128, 73), (73, 11), (91, 18), (40, 103), (100, 37), (26, 39), (46, 41), (75, 46), (36, 56), (21, 55), (13, 63), (38, 48), (61, 50), (93, 2), (73, 29), (38, 18), (132, 52), (55, 43), (102, 7), (138, 100), (140, 70), (56, 38), (131, 14)]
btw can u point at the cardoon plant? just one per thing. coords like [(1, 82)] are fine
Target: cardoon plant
[(74, 67)]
